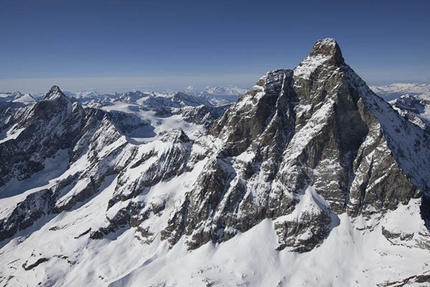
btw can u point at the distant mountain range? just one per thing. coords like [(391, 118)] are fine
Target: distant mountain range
[(229, 94), (396, 90)]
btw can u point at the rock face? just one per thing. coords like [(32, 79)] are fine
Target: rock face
[(301, 148), (311, 132), (42, 130)]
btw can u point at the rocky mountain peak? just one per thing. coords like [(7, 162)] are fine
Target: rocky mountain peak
[(329, 48), (54, 93), (324, 53), (55, 89)]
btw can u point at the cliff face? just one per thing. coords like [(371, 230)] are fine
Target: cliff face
[(317, 132)]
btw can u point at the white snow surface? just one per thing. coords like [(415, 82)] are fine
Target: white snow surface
[(10, 133), (357, 256), (157, 125)]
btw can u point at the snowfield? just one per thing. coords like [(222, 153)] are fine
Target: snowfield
[(357, 256)]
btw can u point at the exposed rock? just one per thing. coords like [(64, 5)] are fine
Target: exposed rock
[(26, 213), (307, 128)]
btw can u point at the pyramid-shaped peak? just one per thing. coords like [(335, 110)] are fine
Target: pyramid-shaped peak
[(328, 47), (55, 89), (55, 93), (325, 52)]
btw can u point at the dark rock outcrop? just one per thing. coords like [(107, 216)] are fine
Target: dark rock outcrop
[(311, 128)]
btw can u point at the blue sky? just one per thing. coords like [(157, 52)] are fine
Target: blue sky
[(113, 45)]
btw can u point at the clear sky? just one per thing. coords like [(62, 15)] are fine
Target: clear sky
[(119, 45)]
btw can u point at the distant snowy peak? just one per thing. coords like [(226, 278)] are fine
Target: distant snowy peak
[(25, 99), (226, 91), (86, 94), (132, 96), (218, 96), (188, 97), (395, 90), (187, 100), (55, 93), (9, 96), (16, 97), (411, 103), (414, 108), (411, 100)]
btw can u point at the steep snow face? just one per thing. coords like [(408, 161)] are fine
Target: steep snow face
[(407, 142), (411, 101), (16, 98), (307, 166)]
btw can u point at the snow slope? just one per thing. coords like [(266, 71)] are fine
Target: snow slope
[(62, 256)]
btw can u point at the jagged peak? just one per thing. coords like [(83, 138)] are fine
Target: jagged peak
[(327, 47), (55, 93), (324, 52), (55, 90)]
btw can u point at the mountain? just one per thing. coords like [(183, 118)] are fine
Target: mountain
[(216, 91), (16, 98), (395, 90), (218, 95), (227, 91), (309, 179), (412, 101)]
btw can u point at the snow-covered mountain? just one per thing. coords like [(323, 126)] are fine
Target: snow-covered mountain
[(309, 179), (216, 91), (220, 95), (396, 90), (412, 101), (16, 98)]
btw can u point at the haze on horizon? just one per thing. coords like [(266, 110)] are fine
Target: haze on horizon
[(114, 45)]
